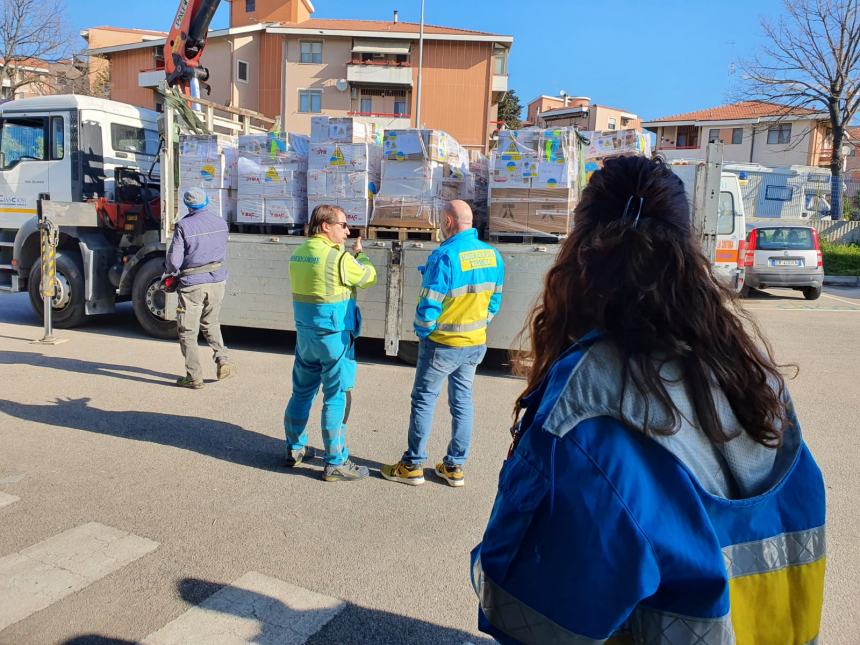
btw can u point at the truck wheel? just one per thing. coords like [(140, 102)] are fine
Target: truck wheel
[(811, 293), (68, 308), (148, 301), (745, 291), (407, 351)]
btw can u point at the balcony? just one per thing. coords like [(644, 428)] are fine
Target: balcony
[(371, 73), (500, 83), (150, 77), (384, 121)]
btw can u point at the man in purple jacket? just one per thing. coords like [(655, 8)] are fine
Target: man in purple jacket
[(197, 256)]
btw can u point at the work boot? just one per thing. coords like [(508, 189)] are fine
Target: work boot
[(295, 457), (345, 472), (403, 473), (225, 370), (453, 475), (187, 381)]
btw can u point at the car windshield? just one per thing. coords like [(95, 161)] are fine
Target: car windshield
[(784, 239)]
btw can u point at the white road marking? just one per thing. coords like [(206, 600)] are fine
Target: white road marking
[(12, 479), (806, 309), (6, 499), (59, 566), (253, 609), (853, 303)]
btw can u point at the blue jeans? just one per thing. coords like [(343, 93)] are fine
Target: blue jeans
[(435, 363), (327, 360)]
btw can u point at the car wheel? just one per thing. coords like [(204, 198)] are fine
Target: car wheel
[(811, 293), (67, 306)]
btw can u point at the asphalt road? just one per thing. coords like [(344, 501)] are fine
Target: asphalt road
[(92, 431)]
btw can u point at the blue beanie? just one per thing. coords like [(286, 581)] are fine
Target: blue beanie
[(195, 198)]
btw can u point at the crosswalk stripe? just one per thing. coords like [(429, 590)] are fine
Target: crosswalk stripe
[(6, 499), (253, 609), (59, 566)]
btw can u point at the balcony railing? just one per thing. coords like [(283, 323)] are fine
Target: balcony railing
[(696, 147), (388, 74), (380, 115), (380, 63)]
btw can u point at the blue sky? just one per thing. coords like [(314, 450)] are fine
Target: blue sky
[(651, 57)]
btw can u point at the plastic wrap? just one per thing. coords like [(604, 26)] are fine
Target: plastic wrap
[(603, 145), (209, 162), (272, 178), (326, 129), (533, 182)]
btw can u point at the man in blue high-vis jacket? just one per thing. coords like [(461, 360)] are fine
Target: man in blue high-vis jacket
[(461, 291)]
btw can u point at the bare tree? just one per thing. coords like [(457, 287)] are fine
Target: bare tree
[(812, 60), (33, 34)]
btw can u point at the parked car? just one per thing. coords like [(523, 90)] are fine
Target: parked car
[(783, 256)]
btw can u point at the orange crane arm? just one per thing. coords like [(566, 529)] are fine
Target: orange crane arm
[(186, 41)]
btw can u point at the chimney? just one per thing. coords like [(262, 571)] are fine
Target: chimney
[(395, 16)]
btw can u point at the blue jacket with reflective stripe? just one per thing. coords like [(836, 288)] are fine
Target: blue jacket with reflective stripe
[(461, 291), (600, 532)]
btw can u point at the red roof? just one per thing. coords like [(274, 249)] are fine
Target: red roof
[(740, 111), (336, 24)]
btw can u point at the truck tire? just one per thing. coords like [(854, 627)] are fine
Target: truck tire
[(812, 293), (148, 301), (68, 308), (407, 351)]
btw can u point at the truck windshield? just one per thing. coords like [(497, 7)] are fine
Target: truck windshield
[(22, 139)]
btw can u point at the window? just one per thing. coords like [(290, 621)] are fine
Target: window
[(611, 123), (726, 216), (687, 137), (58, 138), (311, 51), (784, 239), (779, 134), (714, 135), (22, 140), (779, 193), (242, 71), (500, 62), (400, 108), (310, 100), (250, 6), (737, 135), (129, 138), (366, 106)]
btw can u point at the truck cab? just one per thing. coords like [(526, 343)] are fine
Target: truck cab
[(69, 148)]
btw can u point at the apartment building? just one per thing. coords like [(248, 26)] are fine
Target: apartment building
[(98, 67), (277, 59), (751, 132), (579, 112)]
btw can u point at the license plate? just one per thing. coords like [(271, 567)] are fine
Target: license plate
[(786, 263)]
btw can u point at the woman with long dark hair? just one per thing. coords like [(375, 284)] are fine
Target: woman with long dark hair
[(658, 488)]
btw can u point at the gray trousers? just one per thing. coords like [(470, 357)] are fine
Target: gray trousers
[(199, 310)]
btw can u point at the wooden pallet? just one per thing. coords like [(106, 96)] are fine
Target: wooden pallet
[(503, 237), (403, 234)]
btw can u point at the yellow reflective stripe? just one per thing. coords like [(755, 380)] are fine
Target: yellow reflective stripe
[(330, 261), (431, 295), (316, 299), (472, 288), (367, 277)]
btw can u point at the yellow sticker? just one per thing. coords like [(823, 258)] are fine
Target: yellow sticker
[(483, 259)]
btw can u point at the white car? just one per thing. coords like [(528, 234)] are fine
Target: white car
[(783, 256)]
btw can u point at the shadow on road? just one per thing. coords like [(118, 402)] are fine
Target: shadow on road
[(217, 439), (352, 625), (90, 368)]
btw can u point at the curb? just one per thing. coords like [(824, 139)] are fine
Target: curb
[(842, 280)]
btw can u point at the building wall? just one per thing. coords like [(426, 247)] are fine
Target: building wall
[(99, 67), (125, 67), (456, 79), (268, 11), (803, 149), (542, 104), (323, 76), (270, 75)]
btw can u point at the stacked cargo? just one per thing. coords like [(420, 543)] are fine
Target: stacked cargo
[(343, 167), (533, 181), (421, 171), (602, 145), (209, 162), (272, 178)]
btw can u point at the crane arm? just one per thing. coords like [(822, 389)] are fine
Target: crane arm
[(186, 41)]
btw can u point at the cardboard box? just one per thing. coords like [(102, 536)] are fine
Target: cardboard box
[(357, 211), (418, 145), (405, 212), (250, 210), (346, 157), (326, 129), (285, 211), (205, 146), (531, 211), (516, 144)]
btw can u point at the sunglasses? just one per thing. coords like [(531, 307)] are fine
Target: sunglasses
[(341, 224)]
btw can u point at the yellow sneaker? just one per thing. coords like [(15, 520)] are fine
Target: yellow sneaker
[(453, 475), (400, 472)]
